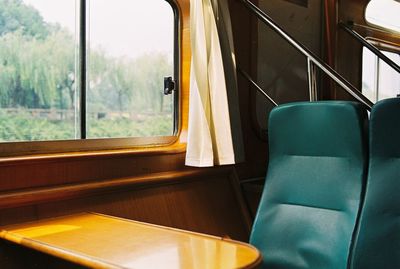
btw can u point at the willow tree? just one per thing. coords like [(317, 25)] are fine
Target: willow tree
[(36, 58), (149, 72), (15, 15), (33, 71)]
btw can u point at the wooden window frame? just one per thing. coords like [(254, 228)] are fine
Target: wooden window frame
[(105, 146)]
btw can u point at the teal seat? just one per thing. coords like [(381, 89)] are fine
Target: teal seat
[(378, 240), (315, 177)]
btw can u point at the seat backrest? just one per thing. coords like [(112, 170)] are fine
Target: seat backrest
[(377, 243), (311, 197)]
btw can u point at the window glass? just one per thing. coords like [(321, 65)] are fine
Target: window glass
[(131, 51), (384, 13), (37, 70), (379, 80)]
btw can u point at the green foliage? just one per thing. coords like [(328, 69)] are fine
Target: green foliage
[(151, 126), (24, 127), (33, 71), (15, 15), (129, 85), (38, 71), (149, 73)]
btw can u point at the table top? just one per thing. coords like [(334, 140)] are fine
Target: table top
[(100, 241)]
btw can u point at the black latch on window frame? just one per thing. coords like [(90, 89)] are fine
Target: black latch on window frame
[(169, 85)]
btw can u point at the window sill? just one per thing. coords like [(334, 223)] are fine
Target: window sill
[(17, 153)]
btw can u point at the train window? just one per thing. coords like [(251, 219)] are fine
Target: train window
[(73, 69), (379, 80), (127, 68), (384, 13), (37, 70)]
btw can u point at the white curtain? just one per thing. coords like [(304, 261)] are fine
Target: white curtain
[(210, 137)]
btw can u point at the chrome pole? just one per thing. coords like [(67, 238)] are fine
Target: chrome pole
[(312, 81)]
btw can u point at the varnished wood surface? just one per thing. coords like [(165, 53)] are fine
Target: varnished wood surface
[(48, 194), (203, 202), (100, 241)]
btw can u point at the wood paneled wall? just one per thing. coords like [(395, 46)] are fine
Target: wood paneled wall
[(199, 200)]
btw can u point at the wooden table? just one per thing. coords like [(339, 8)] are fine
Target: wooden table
[(100, 241)]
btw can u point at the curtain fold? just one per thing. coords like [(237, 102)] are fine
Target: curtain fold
[(210, 137), (224, 27)]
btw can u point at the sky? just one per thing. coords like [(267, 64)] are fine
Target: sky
[(121, 27)]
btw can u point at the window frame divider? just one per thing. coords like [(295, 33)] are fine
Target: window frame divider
[(82, 66)]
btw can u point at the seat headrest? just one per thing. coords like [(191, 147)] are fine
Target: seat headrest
[(385, 128), (324, 128)]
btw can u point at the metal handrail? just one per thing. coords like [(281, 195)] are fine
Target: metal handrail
[(247, 76), (369, 46), (312, 59)]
